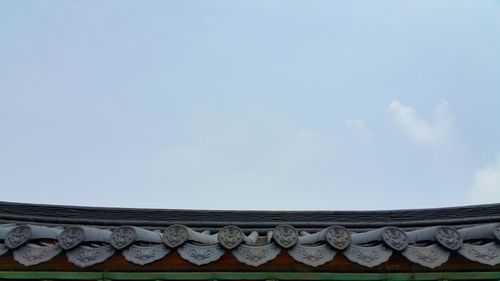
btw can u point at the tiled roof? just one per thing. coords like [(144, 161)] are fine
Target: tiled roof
[(34, 234)]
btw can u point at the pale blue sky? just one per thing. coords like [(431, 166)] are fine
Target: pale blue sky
[(288, 105)]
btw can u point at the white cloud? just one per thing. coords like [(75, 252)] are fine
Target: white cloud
[(486, 188), (260, 157), (355, 124), (420, 129), (359, 127)]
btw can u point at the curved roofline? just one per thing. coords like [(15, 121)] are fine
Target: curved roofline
[(106, 216)]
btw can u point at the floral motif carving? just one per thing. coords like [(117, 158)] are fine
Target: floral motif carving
[(430, 256), (85, 256), (395, 238), (487, 254), (200, 255), (230, 237), (146, 255), (143, 255), (312, 255), (123, 237), (32, 254), (71, 237), (286, 236), (449, 237), (17, 236), (175, 235), (256, 255), (368, 256), (338, 237)]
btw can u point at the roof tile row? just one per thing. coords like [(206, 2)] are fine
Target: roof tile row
[(85, 246)]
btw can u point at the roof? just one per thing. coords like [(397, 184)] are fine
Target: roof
[(53, 214), (46, 237)]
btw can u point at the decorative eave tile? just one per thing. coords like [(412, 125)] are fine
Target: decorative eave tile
[(256, 255), (487, 254), (430, 256), (85, 256), (312, 255), (368, 256), (31, 254), (142, 255), (200, 254)]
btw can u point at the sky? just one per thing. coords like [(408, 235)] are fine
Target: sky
[(263, 105)]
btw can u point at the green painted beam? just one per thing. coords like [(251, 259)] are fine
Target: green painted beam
[(313, 276)]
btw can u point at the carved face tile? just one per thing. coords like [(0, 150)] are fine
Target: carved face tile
[(123, 237), (286, 236), (395, 238), (230, 237), (17, 236), (338, 237), (449, 237), (71, 237), (175, 235), (496, 231)]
